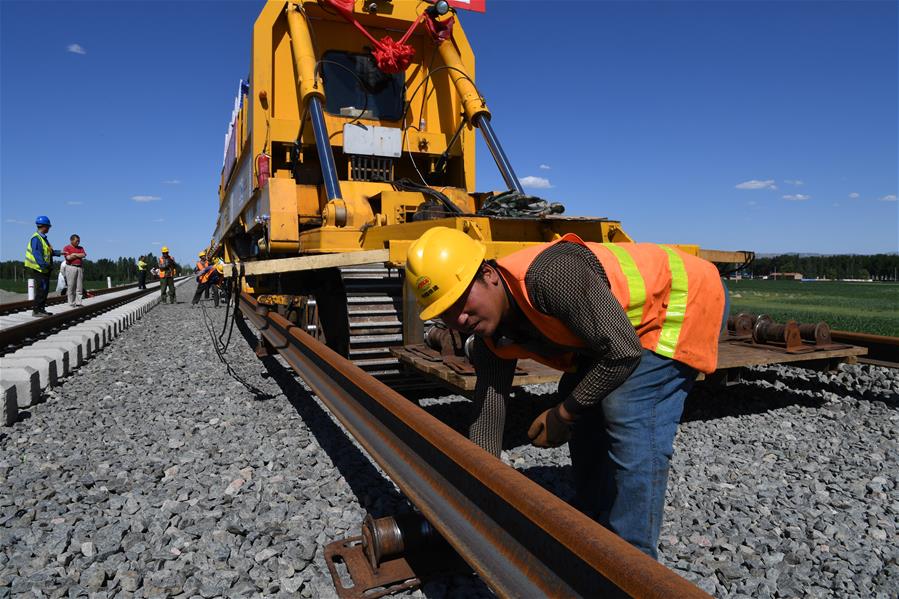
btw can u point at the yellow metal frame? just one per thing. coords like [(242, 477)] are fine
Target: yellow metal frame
[(287, 218), (283, 76)]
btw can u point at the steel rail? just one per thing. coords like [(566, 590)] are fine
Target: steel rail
[(882, 350), (13, 307), (522, 540), (16, 335)]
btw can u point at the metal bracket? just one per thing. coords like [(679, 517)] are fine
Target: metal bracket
[(360, 581)]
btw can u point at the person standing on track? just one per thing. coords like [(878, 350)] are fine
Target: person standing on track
[(39, 260), (141, 273), (74, 255), (167, 267), (631, 325)]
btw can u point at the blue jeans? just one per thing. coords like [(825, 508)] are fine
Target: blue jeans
[(620, 450)]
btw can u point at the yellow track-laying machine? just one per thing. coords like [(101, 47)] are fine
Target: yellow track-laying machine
[(353, 135)]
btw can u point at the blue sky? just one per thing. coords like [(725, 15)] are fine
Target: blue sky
[(769, 126)]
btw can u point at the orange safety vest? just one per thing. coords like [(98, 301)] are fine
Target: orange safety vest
[(205, 276), (163, 273), (674, 300)]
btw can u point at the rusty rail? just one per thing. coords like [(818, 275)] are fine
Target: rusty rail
[(882, 350), (522, 540)]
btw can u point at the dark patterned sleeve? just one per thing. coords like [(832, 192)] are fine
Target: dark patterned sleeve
[(491, 397), (568, 282)]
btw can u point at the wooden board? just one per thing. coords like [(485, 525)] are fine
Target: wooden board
[(734, 354), (267, 267), (731, 354), (534, 372)]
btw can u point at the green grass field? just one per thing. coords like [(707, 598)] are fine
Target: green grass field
[(21, 286), (858, 307)]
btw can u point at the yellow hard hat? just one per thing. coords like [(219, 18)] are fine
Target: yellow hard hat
[(439, 267), (165, 249), (201, 254)]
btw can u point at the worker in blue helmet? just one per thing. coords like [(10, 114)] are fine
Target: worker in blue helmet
[(39, 259)]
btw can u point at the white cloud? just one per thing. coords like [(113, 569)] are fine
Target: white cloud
[(74, 203), (836, 205), (889, 198), (158, 220), (172, 182), (536, 182), (16, 221), (756, 184), (545, 167), (752, 203), (854, 195), (146, 198), (76, 49), (794, 181), (797, 197)]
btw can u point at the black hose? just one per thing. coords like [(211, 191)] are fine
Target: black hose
[(441, 198)]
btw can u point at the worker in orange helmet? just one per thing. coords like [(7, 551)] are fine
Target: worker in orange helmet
[(167, 271), (630, 325)]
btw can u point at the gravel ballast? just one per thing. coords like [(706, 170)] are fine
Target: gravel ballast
[(152, 472)]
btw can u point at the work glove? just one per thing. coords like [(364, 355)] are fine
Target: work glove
[(550, 429)]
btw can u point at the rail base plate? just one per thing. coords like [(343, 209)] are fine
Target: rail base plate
[(359, 580)]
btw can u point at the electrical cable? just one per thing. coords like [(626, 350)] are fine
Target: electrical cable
[(221, 348), (409, 185)]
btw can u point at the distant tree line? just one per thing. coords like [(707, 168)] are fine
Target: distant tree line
[(879, 267), (121, 269)]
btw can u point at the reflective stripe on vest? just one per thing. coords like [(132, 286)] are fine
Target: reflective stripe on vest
[(677, 305), (46, 250), (635, 284)]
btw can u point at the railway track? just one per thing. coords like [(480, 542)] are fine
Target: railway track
[(35, 353), (19, 329), (192, 468), (522, 540), (54, 300), (882, 350)]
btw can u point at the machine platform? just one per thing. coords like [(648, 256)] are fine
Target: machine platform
[(734, 353)]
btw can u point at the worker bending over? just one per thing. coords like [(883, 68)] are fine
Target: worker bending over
[(167, 269), (208, 277), (629, 324)]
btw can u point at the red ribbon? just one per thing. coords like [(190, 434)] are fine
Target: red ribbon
[(394, 56)]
